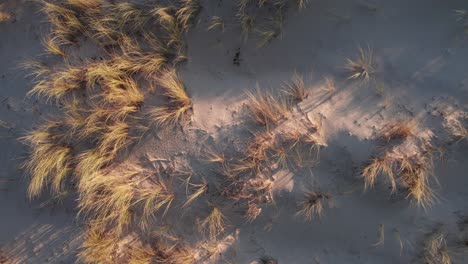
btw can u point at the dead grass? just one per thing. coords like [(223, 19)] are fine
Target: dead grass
[(187, 12), (400, 130), (411, 172), (66, 23), (200, 189), (99, 246), (329, 87), (313, 204), (458, 131), (383, 165), (296, 88), (50, 159), (435, 250), (179, 101), (362, 67), (266, 109), (415, 175), (86, 5), (214, 223), (247, 25), (302, 4), (113, 200), (57, 85), (216, 22)]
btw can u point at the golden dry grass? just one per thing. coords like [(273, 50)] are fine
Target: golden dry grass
[(296, 88), (458, 131), (214, 223), (49, 161), (58, 84), (216, 22), (99, 246), (265, 108), (362, 67), (415, 175), (247, 25), (302, 3), (435, 250), (86, 5), (313, 204), (383, 165), (114, 200), (187, 12), (401, 130), (200, 189), (179, 102)]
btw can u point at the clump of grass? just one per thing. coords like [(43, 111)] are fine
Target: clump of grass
[(114, 138), (435, 250), (53, 46), (214, 223), (363, 67), (253, 211), (50, 159), (199, 190), (296, 88), (179, 101), (187, 12), (461, 14), (216, 22), (378, 166), (56, 86), (414, 174), (247, 25), (113, 200), (400, 130), (458, 131), (99, 246), (268, 260), (302, 4), (313, 204), (266, 36), (381, 233), (87, 5), (67, 25), (329, 87), (266, 109)]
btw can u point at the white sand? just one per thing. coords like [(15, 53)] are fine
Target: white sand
[(421, 53)]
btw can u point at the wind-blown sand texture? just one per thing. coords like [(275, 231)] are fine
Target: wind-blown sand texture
[(243, 131)]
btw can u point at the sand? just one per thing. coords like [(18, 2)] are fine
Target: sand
[(420, 51)]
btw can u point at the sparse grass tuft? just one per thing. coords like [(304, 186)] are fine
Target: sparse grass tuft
[(199, 190), (398, 130), (313, 203), (414, 174), (266, 109), (378, 166), (435, 250), (302, 4), (329, 87), (112, 199), (458, 131), (296, 88), (363, 67), (99, 246), (216, 22), (179, 104), (187, 12), (50, 159), (214, 223), (247, 25)]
